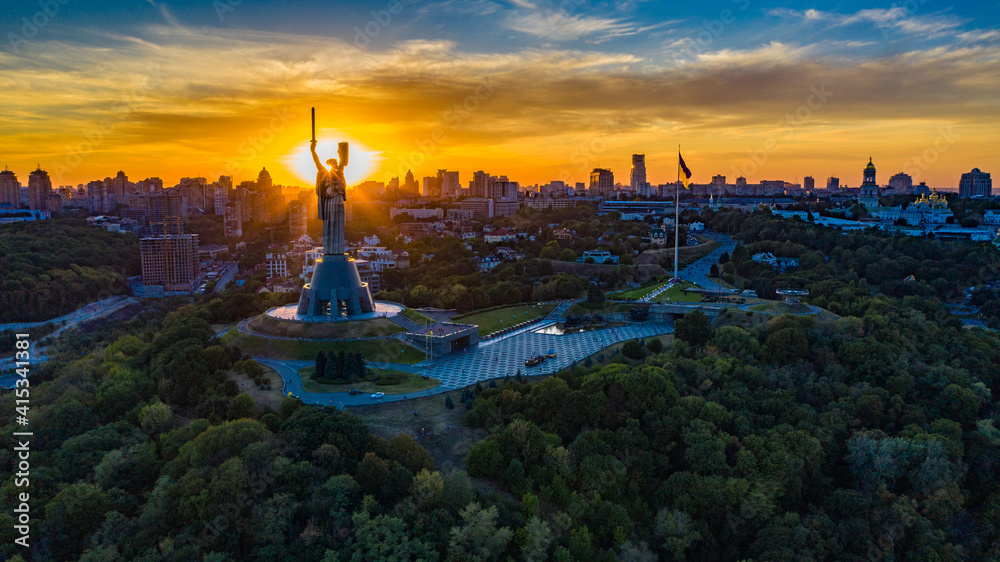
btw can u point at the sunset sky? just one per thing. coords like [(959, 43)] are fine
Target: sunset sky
[(546, 90)]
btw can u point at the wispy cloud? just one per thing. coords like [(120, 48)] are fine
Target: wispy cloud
[(556, 26), (897, 17), (218, 83)]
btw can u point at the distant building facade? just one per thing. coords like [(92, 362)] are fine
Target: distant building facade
[(868, 196), (901, 183), (602, 182), (10, 189), (637, 177), (975, 184), (39, 190)]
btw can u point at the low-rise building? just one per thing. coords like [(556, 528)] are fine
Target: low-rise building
[(598, 257), (277, 265), (498, 236), (486, 263)]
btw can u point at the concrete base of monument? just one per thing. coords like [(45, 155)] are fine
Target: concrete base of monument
[(290, 313)]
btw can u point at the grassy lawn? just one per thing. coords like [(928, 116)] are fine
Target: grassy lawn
[(496, 320), (636, 294), (270, 398), (410, 382), (449, 438), (677, 294), (780, 308), (354, 329), (417, 317), (686, 254), (606, 307), (386, 351), (721, 282)]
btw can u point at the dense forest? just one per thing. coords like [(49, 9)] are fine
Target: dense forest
[(873, 433), (449, 277), (50, 268), (840, 269)]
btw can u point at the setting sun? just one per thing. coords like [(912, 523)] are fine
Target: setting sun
[(362, 161)]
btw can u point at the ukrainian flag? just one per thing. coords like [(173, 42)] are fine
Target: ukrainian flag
[(683, 171)]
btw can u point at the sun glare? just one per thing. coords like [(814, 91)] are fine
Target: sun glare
[(361, 162)]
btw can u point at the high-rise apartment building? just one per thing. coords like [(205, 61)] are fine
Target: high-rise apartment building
[(638, 174), (975, 184), (233, 220), (448, 183), (39, 190), (166, 212), (901, 183), (297, 218), (602, 183), (10, 189), (481, 185), (170, 261), (431, 188)]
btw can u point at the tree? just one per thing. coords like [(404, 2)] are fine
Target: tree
[(538, 537), (654, 345), (241, 406), (594, 294), (739, 254), (693, 328), (713, 271), (335, 365), (155, 418), (448, 402), (632, 349), (320, 365), (478, 537)]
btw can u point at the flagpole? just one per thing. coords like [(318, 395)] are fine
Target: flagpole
[(677, 207)]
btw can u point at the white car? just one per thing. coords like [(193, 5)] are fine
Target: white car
[(377, 395)]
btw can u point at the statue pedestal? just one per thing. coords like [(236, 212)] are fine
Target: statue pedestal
[(336, 290)]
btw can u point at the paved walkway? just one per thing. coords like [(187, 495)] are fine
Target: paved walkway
[(506, 357), (503, 358), (92, 310), (560, 311), (406, 323)]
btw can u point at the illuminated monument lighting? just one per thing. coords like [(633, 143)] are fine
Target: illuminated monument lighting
[(336, 290)]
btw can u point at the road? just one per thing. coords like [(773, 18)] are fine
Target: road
[(502, 358), (226, 277), (697, 271), (92, 310)]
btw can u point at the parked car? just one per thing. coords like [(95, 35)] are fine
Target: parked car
[(355, 392), (377, 395)]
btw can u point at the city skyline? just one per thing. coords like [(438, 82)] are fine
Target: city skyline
[(538, 92)]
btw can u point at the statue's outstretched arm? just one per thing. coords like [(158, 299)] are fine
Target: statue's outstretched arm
[(319, 165)]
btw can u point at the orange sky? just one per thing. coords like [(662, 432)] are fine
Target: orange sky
[(206, 102)]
